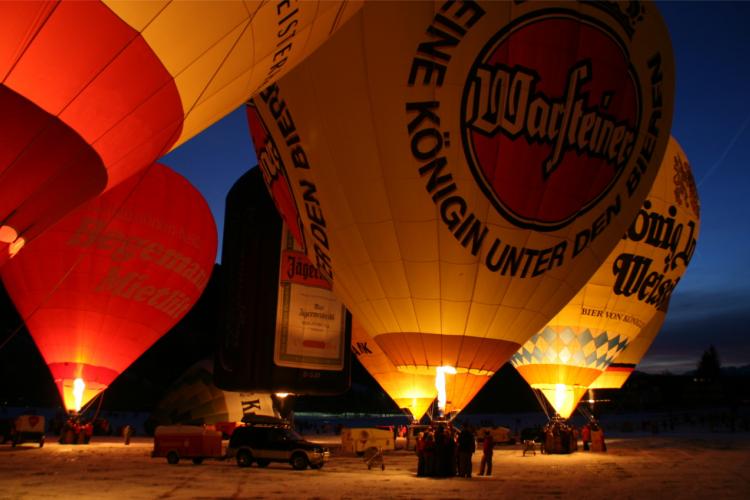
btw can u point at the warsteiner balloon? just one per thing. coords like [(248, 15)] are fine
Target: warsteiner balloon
[(625, 298), (458, 170), (102, 285)]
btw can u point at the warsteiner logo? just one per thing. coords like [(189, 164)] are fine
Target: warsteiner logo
[(549, 129), (505, 102)]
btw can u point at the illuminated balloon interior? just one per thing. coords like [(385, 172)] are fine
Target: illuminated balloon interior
[(563, 398), (77, 393)]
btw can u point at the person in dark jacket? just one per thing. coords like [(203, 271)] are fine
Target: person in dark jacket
[(429, 453), (442, 452), (466, 448)]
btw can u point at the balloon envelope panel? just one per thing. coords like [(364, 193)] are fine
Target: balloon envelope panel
[(617, 373)]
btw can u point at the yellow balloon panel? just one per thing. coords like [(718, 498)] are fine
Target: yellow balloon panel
[(569, 375), (412, 391), (221, 52), (617, 373), (461, 388), (414, 386), (455, 178), (623, 305)]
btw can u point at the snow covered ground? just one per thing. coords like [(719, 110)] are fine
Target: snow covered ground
[(677, 466)]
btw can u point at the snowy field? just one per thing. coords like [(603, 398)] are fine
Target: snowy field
[(674, 467)]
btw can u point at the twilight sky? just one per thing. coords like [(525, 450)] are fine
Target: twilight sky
[(711, 305)]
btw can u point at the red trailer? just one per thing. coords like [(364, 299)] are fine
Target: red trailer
[(186, 441)]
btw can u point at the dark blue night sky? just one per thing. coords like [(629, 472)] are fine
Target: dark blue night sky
[(711, 305)]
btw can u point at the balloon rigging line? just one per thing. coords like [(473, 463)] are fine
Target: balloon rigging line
[(542, 402), (729, 147), (100, 397), (586, 413)]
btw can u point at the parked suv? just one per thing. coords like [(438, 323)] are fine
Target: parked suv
[(266, 439)]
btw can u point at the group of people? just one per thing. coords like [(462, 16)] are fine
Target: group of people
[(592, 437), (76, 431), (559, 436), (443, 451)]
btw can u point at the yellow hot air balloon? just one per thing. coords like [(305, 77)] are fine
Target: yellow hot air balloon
[(626, 294), (458, 170)]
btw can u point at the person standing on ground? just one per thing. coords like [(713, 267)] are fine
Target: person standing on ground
[(428, 450), (466, 448), (442, 452), (419, 449), (488, 447), (586, 436)]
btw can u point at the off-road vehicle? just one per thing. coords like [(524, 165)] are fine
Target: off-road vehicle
[(266, 439)]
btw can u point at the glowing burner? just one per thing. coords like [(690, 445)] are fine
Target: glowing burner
[(440, 385), (78, 387)]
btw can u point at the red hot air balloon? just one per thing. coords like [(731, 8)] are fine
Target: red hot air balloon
[(91, 92), (103, 284)]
